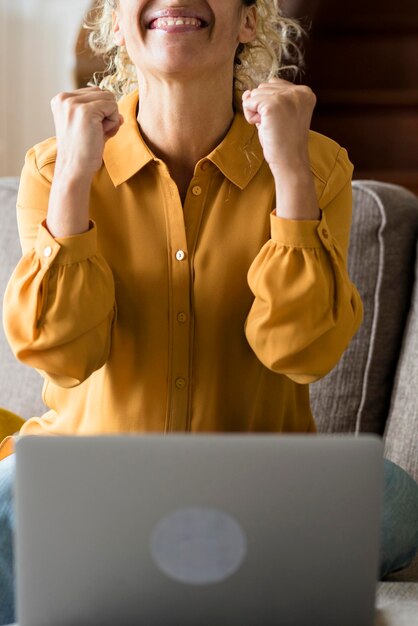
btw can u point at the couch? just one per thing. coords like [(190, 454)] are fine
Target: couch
[(374, 388)]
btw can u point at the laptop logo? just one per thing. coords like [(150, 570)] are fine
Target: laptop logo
[(198, 545)]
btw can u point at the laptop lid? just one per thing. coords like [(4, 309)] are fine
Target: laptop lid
[(191, 530)]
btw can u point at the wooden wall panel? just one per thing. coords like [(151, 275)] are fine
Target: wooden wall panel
[(362, 63)]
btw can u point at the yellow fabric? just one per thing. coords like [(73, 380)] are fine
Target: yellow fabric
[(133, 336), (10, 423)]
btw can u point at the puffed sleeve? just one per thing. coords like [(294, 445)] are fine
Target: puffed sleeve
[(60, 301), (306, 309)]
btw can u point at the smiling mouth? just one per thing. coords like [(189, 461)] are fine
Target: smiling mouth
[(177, 23), (177, 19)]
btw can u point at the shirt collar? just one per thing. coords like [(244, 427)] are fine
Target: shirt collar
[(126, 153), (239, 156)]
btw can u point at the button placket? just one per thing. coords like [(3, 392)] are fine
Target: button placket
[(183, 224), (194, 205), (179, 284)]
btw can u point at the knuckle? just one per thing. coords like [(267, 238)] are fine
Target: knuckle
[(59, 98), (307, 91), (105, 93), (292, 96), (269, 107), (62, 96), (82, 108)]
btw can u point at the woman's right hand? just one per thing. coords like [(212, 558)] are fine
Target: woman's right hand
[(84, 120)]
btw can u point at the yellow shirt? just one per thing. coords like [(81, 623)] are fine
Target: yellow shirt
[(212, 316)]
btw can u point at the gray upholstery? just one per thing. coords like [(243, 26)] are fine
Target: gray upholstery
[(397, 604), (20, 386), (356, 395), (374, 388), (402, 427)]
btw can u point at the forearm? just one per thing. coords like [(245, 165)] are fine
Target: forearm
[(68, 208), (295, 193)]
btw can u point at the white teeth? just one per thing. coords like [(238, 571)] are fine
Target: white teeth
[(179, 21)]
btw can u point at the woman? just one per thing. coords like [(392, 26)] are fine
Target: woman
[(184, 261), (136, 303)]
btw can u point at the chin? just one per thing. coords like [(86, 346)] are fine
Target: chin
[(178, 65)]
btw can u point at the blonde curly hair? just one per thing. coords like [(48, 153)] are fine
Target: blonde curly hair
[(276, 50)]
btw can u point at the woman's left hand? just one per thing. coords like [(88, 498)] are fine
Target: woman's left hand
[(282, 113)]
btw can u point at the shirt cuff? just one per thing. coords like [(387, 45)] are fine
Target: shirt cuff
[(300, 233), (65, 250)]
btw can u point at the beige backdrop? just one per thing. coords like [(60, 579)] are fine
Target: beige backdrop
[(37, 41)]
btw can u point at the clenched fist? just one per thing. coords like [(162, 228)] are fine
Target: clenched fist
[(84, 120), (282, 113)]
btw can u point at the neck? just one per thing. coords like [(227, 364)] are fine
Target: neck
[(183, 122)]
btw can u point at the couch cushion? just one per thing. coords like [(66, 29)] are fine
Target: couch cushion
[(402, 427), (355, 396), (397, 604), (20, 386)]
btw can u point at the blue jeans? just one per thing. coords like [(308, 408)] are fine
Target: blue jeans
[(399, 533)]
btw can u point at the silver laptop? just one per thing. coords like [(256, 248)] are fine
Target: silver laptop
[(197, 530)]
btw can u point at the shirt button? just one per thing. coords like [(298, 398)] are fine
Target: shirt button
[(182, 317), (180, 255), (47, 251), (180, 383), (205, 165), (325, 233), (196, 190)]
